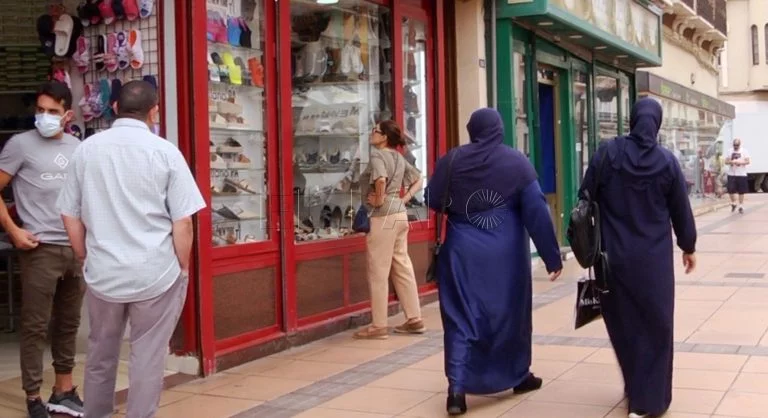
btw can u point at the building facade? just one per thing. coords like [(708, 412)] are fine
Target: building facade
[(744, 78)]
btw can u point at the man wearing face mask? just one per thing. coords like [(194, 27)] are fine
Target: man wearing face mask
[(131, 193), (35, 164)]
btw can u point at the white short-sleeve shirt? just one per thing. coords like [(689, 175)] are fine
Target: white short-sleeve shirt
[(128, 185), (742, 154)]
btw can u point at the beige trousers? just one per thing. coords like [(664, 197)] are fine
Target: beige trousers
[(388, 257)]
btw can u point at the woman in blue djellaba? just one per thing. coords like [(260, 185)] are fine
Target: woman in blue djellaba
[(484, 267)]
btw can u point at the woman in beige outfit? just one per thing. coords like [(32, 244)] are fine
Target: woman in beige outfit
[(387, 243)]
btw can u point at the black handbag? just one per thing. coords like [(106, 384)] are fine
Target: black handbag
[(432, 270)]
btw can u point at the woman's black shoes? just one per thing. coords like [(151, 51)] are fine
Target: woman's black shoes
[(530, 384), (457, 404)]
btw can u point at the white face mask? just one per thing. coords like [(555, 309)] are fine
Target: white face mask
[(48, 125)]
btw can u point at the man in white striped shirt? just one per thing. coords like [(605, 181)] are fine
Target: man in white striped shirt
[(127, 207)]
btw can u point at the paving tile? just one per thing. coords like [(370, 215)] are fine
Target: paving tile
[(208, 383), (695, 401), (434, 363), (756, 364), (379, 400), (258, 388), (583, 393), (477, 406), (706, 361), (622, 412), (562, 353), (306, 370), (260, 366), (751, 382), (345, 355), (204, 406), (551, 369), (595, 373), (534, 409), (702, 379), (413, 379), (744, 405), (338, 413)]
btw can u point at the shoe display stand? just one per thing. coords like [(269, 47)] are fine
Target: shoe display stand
[(236, 109), (415, 104), (342, 74), (112, 51)]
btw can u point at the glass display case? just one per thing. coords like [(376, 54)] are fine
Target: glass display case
[(341, 86), (415, 106), (236, 109)]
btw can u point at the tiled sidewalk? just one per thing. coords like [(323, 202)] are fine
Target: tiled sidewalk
[(721, 365)]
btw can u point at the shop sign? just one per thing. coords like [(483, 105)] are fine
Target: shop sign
[(650, 83), (624, 19)]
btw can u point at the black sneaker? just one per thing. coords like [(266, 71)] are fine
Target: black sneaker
[(741, 210), (36, 409), (733, 208), (68, 403)]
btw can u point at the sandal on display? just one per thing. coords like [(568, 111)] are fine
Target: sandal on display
[(247, 75), (236, 212), (101, 49), (245, 34), (241, 185), (82, 55), (135, 50), (241, 162), (257, 72), (131, 9), (223, 70), (82, 13), (117, 85), (123, 57), (105, 93), (85, 106), (234, 31), (106, 11), (119, 9), (231, 146), (235, 73), (325, 217), (217, 163), (110, 57), (146, 8)]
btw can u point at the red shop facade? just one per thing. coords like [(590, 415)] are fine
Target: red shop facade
[(274, 117)]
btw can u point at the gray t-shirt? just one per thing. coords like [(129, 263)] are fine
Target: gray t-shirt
[(390, 165), (39, 168), (128, 186)]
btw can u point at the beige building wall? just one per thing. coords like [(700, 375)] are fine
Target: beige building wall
[(684, 64), (739, 72), (470, 50)]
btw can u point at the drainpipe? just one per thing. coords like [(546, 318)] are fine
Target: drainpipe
[(489, 7)]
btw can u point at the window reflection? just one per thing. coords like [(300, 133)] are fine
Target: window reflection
[(521, 125), (606, 91), (581, 121)]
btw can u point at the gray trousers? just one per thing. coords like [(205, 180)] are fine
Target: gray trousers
[(152, 325)]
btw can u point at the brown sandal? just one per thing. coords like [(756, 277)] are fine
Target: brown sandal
[(372, 333)]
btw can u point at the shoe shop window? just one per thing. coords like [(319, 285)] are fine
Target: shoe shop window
[(342, 73), (415, 106), (236, 110)]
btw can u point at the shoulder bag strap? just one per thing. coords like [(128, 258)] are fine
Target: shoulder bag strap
[(446, 199)]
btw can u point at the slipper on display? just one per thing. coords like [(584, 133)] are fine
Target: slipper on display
[(92, 10), (104, 95), (151, 80), (257, 72), (223, 70), (110, 57), (94, 101), (235, 73), (131, 9), (123, 57), (106, 11), (63, 30), (234, 31), (118, 9), (210, 26), (220, 26), (75, 131), (85, 105), (77, 32), (101, 49), (82, 13), (114, 96), (82, 55), (213, 71), (245, 34), (135, 50), (146, 7), (45, 34), (247, 77)]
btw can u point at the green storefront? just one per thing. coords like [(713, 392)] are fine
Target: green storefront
[(564, 79)]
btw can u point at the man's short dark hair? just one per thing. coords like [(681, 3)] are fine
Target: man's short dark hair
[(137, 98), (57, 91)]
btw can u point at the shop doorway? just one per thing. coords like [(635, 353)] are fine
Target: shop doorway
[(549, 143)]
